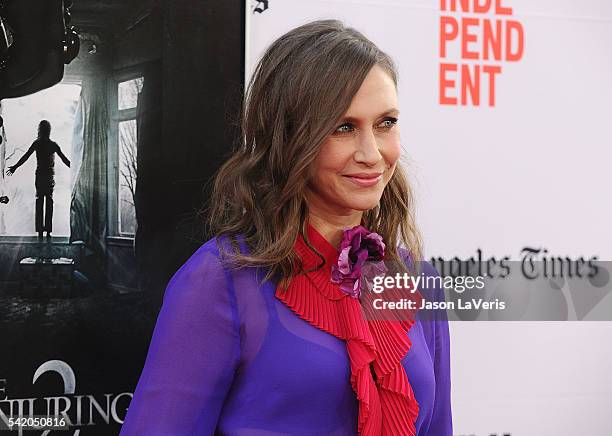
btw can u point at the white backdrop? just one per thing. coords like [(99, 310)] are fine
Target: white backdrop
[(530, 170)]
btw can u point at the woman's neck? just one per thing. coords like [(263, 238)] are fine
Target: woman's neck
[(331, 227)]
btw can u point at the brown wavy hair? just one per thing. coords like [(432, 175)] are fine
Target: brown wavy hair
[(301, 87)]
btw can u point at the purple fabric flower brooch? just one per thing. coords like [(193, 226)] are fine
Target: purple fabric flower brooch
[(357, 247)]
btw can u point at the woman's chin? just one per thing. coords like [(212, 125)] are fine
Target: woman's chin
[(363, 205)]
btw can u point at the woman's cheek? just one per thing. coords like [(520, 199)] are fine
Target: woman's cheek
[(392, 153), (334, 155)]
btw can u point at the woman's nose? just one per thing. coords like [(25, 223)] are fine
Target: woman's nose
[(367, 149)]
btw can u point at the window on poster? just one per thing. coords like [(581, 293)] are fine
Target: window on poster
[(127, 93), (127, 139), (21, 116)]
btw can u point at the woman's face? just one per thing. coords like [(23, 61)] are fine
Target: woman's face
[(357, 160)]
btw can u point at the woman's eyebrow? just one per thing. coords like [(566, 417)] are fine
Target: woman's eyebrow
[(392, 111)]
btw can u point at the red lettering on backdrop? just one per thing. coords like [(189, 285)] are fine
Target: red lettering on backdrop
[(468, 37), (471, 84), (491, 39), (475, 6), (518, 30), (482, 43), (500, 10), (446, 83), (449, 29), (482, 7)]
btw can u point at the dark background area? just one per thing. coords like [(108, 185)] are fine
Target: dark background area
[(193, 54)]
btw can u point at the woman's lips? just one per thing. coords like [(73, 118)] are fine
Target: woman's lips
[(365, 180)]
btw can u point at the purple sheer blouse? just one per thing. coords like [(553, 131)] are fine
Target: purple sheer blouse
[(228, 358)]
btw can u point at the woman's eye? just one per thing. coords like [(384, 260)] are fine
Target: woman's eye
[(389, 122), (345, 128)]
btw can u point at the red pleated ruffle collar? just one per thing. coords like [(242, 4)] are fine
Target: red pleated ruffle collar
[(387, 405)]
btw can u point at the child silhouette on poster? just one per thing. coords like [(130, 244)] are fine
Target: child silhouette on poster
[(45, 170)]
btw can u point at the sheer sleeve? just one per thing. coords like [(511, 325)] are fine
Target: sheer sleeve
[(441, 420), (193, 353)]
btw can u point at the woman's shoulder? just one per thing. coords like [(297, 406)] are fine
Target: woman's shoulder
[(210, 251), (211, 257), (207, 252), (202, 276), (211, 246), (204, 263)]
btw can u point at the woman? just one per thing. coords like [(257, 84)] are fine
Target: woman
[(260, 331)]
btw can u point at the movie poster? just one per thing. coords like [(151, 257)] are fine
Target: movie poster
[(105, 151)]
